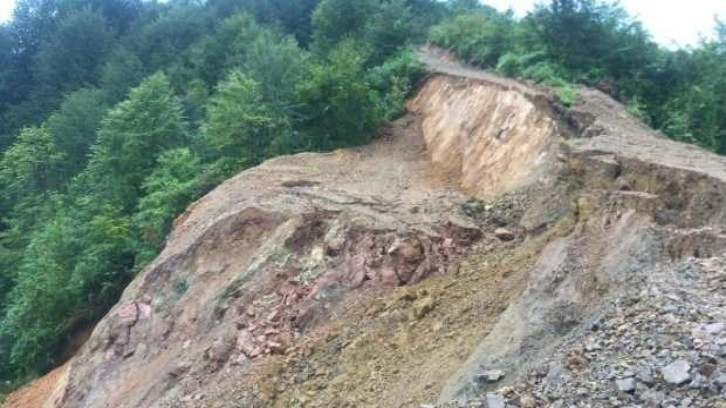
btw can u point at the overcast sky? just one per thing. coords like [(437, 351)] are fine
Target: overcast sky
[(671, 22)]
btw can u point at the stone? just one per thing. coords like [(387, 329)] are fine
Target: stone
[(220, 350), (556, 375), (504, 234), (145, 310), (576, 362), (334, 246), (128, 314), (239, 360), (128, 353), (593, 346), (626, 385), (422, 307), (179, 370), (715, 328), (496, 401), (275, 347), (645, 375), (652, 398), (677, 372), (698, 381), (411, 252), (707, 330), (448, 243), (247, 344), (527, 402), (472, 208), (707, 369), (491, 376)]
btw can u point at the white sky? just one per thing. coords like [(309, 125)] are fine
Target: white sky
[(671, 22), (6, 9)]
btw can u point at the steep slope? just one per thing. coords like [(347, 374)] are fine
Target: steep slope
[(646, 209), (483, 231), (261, 260), (492, 138)]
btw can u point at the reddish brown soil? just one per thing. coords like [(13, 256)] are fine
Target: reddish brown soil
[(35, 394)]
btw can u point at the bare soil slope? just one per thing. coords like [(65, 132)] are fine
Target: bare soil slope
[(449, 260)]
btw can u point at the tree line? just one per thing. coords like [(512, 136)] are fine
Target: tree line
[(680, 92), (116, 114)]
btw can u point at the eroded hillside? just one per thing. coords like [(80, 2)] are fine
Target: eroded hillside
[(475, 252)]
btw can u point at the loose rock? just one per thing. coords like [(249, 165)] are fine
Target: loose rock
[(504, 234), (422, 307), (677, 372), (496, 401), (490, 376), (626, 385)]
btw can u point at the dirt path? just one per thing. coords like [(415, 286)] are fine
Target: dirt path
[(443, 63)]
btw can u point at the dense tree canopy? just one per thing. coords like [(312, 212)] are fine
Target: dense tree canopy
[(116, 114)]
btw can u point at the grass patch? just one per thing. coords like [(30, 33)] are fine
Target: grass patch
[(566, 95)]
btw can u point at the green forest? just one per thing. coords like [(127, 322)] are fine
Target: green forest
[(116, 114)]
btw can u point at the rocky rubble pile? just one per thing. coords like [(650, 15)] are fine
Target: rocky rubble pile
[(662, 343)]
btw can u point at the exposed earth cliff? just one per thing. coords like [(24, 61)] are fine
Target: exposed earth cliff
[(492, 248)]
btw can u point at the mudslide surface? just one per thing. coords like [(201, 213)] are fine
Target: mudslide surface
[(602, 123), (490, 249)]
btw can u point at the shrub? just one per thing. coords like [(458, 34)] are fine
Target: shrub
[(395, 79), (567, 95), (479, 38)]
